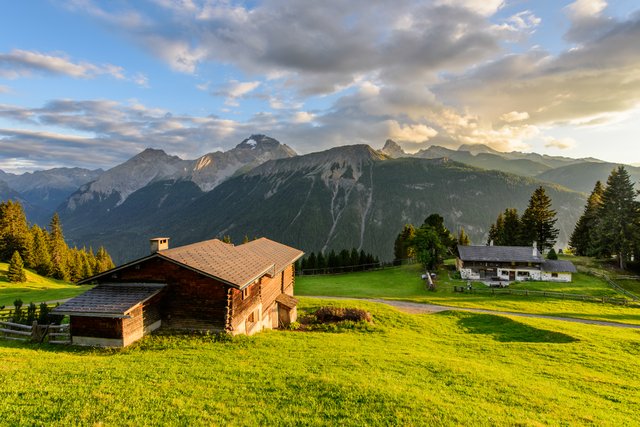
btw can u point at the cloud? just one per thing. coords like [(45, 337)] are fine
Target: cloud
[(514, 116), (561, 143), (235, 90), (21, 63), (410, 132), (5, 89), (302, 117)]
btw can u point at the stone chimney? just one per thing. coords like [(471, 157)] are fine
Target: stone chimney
[(159, 244), (535, 248)]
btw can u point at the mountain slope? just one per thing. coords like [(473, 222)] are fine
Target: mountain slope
[(340, 198), (583, 176)]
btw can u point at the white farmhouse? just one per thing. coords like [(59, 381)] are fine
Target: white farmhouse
[(510, 263)]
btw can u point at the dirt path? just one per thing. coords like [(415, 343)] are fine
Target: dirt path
[(420, 308)]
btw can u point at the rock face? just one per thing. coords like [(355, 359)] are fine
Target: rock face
[(393, 150), (152, 165)]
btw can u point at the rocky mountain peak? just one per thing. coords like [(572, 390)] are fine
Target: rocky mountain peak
[(393, 149)]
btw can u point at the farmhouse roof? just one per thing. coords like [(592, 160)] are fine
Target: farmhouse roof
[(237, 266), (558, 266), (110, 300), (499, 254)]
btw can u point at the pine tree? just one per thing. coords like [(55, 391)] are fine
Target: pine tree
[(40, 256), (496, 231), (463, 238), (512, 228), (584, 234), (16, 273), (618, 217), (552, 255), (538, 221), (58, 250), (103, 261), (436, 222), (402, 248), (14, 232), (227, 239)]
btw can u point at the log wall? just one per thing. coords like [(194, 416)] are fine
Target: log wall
[(189, 301)]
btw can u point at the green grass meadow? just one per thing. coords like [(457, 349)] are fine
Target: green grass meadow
[(36, 289), (404, 283), (451, 368)]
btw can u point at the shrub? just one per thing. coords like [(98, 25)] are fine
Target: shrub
[(552, 254), (31, 313), (17, 311), (43, 315), (339, 314)]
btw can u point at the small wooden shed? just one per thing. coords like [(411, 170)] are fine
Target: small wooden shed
[(210, 285)]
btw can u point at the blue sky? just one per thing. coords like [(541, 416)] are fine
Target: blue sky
[(90, 83)]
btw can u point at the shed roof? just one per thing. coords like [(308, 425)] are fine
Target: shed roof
[(499, 254), (287, 300), (558, 266), (110, 300)]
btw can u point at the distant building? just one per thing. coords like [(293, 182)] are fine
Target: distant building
[(209, 285), (510, 263)]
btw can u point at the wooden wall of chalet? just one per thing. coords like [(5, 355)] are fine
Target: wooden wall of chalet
[(102, 327), (190, 300), (260, 301)]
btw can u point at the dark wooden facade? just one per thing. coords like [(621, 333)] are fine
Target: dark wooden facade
[(189, 301)]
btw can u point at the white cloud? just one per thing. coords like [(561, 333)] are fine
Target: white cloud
[(581, 9), (559, 143), (409, 132), (482, 7), (302, 117), (5, 89), (20, 63), (514, 116)]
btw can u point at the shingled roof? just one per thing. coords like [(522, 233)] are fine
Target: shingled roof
[(110, 300), (238, 266), (499, 254), (558, 266)]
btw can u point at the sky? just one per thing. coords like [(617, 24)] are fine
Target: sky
[(91, 83)]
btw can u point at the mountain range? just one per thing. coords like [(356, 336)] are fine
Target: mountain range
[(350, 196)]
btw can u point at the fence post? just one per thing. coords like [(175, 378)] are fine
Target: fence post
[(34, 331)]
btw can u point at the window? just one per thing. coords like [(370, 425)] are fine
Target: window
[(554, 274), (245, 293), (253, 317)]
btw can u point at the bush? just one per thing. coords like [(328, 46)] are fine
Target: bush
[(31, 313), (17, 311), (552, 254), (339, 314)]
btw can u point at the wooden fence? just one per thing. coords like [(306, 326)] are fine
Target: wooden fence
[(53, 334), (353, 268), (615, 286), (548, 294)]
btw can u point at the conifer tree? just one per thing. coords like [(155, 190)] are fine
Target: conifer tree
[(618, 217), (14, 232), (496, 231), (103, 261), (512, 225), (58, 250), (584, 234), (16, 273), (538, 221), (40, 256), (402, 248), (463, 238), (552, 255)]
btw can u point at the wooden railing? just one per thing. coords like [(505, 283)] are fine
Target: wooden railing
[(53, 334)]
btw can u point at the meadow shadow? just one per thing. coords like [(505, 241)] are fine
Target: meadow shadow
[(504, 329)]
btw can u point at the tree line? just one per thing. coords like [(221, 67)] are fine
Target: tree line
[(537, 224), (610, 223), (335, 262), (44, 251)]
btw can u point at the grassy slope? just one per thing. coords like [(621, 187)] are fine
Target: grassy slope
[(405, 283), (449, 368), (36, 289)]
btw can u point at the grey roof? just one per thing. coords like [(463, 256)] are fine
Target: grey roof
[(499, 254), (553, 266), (109, 300)]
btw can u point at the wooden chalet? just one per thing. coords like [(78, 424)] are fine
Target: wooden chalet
[(210, 285)]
